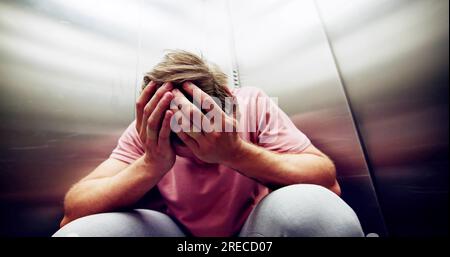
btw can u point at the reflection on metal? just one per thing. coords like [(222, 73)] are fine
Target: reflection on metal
[(71, 69), (393, 56), (82, 83), (67, 76), (293, 63), (282, 49)]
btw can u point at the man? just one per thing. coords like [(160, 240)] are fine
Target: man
[(211, 164)]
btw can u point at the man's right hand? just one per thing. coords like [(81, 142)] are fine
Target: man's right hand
[(153, 125), (115, 184)]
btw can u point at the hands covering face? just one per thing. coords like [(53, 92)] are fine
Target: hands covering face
[(153, 125), (211, 136)]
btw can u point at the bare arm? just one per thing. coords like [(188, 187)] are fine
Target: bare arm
[(112, 185), (115, 184), (311, 166)]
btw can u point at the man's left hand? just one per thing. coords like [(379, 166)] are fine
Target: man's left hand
[(215, 140)]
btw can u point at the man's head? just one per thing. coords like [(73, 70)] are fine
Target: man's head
[(180, 66)]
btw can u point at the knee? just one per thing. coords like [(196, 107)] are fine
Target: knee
[(91, 225), (134, 223), (311, 210)]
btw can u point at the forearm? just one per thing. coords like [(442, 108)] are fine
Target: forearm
[(283, 169), (110, 193)]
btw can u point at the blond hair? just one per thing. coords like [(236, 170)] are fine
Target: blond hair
[(179, 66)]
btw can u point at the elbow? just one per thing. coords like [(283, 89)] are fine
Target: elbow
[(69, 215), (66, 219), (327, 172), (336, 188), (69, 210), (330, 179), (324, 175)]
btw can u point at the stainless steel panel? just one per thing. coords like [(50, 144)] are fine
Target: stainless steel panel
[(393, 56), (281, 47), (67, 83), (201, 27), (70, 72)]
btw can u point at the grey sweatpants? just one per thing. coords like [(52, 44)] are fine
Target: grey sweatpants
[(296, 210)]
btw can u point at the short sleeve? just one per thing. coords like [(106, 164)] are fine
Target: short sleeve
[(129, 146), (275, 130)]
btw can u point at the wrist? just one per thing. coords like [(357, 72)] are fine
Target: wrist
[(241, 153), (150, 165)]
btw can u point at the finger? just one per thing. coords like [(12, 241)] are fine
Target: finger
[(164, 133), (188, 140), (154, 121), (142, 100), (183, 123), (229, 124), (151, 105), (189, 110), (209, 124), (208, 104), (205, 101)]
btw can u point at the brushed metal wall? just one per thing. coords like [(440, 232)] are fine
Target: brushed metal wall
[(71, 70), (282, 48), (393, 58), (67, 76), (69, 92)]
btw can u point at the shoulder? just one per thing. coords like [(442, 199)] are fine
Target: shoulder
[(131, 135), (248, 92), (131, 129)]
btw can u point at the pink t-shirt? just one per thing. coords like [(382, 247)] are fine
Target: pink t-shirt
[(212, 199)]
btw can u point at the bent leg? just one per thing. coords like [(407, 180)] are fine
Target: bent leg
[(135, 223), (302, 210)]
